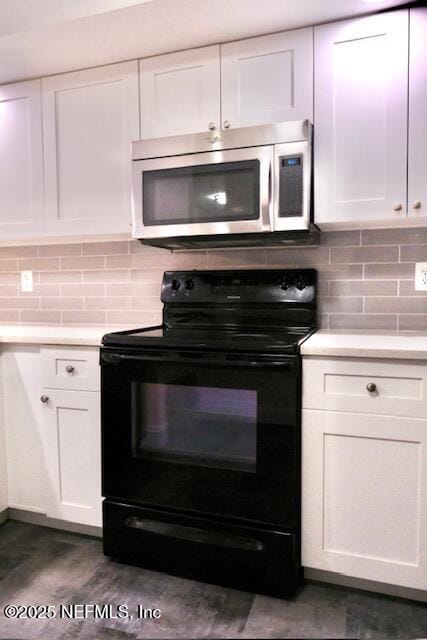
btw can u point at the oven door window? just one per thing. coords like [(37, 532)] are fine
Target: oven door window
[(195, 425), (221, 192)]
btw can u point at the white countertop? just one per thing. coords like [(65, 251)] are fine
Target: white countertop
[(366, 345), (322, 343), (82, 335)]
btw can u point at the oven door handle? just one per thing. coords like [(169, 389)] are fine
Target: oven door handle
[(252, 361)]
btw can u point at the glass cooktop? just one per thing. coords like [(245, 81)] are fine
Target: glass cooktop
[(283, 340)]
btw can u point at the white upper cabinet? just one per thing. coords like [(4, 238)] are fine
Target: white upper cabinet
[(267, 79), (360, 151), (180, 92), (21, 160), (249, 82), (89, 119), (417, 169)]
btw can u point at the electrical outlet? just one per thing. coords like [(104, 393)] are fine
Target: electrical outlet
[(27, 281), (421, 276)]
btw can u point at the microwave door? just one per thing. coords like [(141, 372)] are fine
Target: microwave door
[(292, 194), (215, 192)]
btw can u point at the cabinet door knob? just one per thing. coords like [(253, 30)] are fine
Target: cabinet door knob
[(211, 126), (371, 387), (416, 204), (44, 399), (397, 206), (69, 368), (226, 124)]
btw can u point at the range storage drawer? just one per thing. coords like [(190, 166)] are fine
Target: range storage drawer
[(365, 386), (70, 368), (193, 547)]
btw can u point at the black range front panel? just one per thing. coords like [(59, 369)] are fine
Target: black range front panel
[(201, 459), (184, 432)]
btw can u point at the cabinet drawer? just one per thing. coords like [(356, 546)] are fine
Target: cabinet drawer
[(70, 368), (361, 386)]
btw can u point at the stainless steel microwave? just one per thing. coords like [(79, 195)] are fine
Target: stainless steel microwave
[(234, 187)]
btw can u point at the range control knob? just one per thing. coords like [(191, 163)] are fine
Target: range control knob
[(175, 285), (189, 284), (286, 282), (301, 283)]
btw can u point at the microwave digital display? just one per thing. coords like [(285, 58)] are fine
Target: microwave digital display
[(291, 162)]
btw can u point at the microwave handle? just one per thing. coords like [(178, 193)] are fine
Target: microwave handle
[(272, 204)]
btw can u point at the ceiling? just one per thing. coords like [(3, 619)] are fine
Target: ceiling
[(44, 37)]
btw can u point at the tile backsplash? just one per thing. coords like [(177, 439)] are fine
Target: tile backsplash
[(366, 279)]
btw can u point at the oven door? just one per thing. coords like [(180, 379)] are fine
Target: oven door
[(206, 433), (209, 193)]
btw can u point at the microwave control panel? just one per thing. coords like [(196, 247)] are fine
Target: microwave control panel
[(291, 186)]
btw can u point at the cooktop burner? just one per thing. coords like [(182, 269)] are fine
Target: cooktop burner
[(268, 310)]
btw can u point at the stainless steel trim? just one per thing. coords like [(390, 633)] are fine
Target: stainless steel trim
[(295, 131), (263, 224)]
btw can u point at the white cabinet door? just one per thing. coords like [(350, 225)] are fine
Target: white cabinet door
[(417, 169), (21, 161), (364, 496), (267, 79), (89, 119), (3, 462), (361, 79), (3, 473), (73, 445), (25, 444), (180, 92)]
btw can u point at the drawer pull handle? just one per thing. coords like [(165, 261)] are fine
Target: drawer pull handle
[(194, 534), (371, 387), (44, 399), (69, 368)]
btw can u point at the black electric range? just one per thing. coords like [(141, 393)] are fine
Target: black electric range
[(201, 421)]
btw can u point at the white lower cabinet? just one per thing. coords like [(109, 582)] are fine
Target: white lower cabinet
[(3, 476), (364, 492), (53, 448), (73, 461), (3, 468), (24, 428)]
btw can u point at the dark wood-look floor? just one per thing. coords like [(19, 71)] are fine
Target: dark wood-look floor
[(41, 566)]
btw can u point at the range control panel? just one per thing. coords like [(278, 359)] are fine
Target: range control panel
[(262, 286)]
